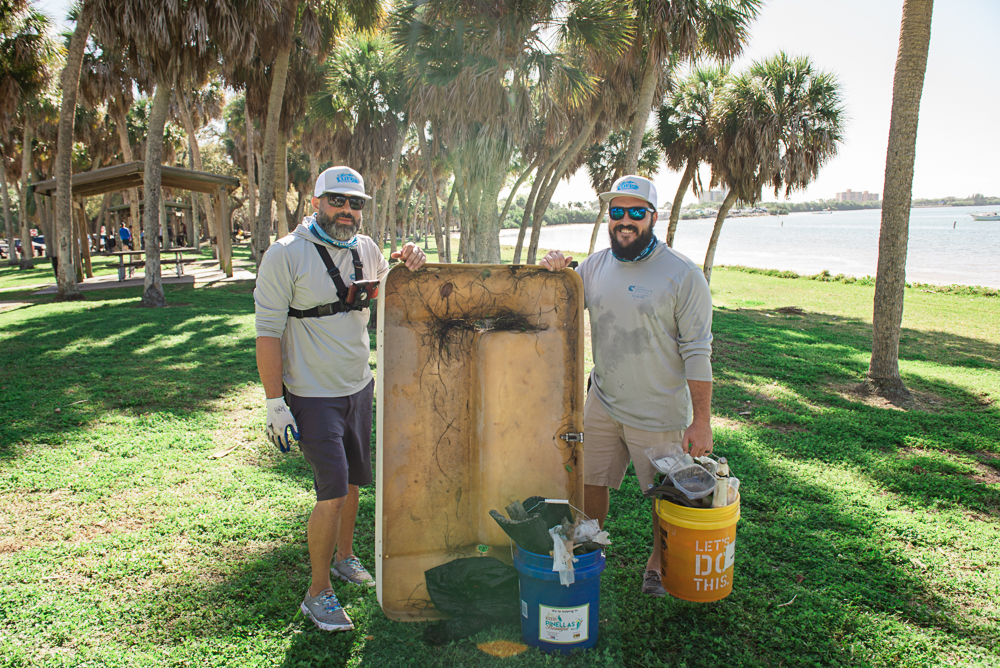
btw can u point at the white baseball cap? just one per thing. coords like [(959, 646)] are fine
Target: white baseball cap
[(631, 185), (342, 181)]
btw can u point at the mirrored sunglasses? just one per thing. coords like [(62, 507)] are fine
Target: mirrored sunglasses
[(634, 212), (337, 201)]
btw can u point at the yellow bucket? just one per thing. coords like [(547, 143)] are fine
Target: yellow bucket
[(698, 550)]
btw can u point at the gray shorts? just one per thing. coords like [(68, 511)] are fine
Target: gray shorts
[(335, 438)]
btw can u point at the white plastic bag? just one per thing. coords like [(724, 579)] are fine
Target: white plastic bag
[(562, 556), (590, 531)]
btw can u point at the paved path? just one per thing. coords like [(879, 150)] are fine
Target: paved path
[(201, 273)]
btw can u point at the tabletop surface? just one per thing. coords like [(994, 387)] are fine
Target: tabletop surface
[(185, 249)]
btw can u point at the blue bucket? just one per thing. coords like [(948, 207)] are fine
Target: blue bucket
[(554, 617)]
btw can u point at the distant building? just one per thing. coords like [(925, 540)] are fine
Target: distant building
[(851, 196), (716, 195)]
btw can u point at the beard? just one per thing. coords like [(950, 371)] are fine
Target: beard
[(633, 250), (341, 227)]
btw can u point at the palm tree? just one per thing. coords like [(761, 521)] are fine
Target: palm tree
[(775, 125), (364, 80), (316, 23), (683, 131), (890, 281), (178, 43), (26, 54), (673, 30), (483, 74), (108, 78), (195, 108), (69, 81), (606, 162)]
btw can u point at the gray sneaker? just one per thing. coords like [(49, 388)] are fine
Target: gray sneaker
[(652, 585), (325, 611), (350, 569)]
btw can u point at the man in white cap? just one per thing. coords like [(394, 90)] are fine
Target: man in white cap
[(311, 301), (651, 331)]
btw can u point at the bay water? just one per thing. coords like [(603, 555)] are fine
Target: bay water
[(945, 244)]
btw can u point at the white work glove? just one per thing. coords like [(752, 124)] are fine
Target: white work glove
[(279, 421)]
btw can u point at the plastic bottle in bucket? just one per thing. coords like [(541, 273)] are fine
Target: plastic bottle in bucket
[(555, 617)]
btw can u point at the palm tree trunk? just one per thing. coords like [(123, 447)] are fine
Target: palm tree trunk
[(890, 280), (541, 177), (70, 82), (313, 168), (675, 207), (77, 246), (132, 194), (102, 216), (397, 154), (487, 234), (432, 192), (88, 268), (27, 250), (7, 218), (281, 186), (262, 238), (597, 227), (574, 149), (643, 107), (727, 204), (517, 184), (188, 121), (447, 223), (251, 174), (152, 293), (406, 209)]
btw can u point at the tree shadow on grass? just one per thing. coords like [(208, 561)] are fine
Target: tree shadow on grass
[(90, 358), (786, 378)]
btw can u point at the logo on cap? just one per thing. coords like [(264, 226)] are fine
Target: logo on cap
[(347, 178), (628, 185)]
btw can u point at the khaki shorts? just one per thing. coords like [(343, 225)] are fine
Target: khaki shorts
[(610, 445)]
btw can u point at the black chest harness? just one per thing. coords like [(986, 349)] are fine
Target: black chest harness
[(349, 298)]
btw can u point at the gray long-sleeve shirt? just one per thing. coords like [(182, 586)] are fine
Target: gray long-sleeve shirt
[(326, 356), (651, 330)]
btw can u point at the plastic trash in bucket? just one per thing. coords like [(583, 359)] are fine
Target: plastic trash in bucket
[(694, 481), (554, 617)]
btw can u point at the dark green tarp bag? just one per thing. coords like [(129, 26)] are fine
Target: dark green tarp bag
[(476, 593)]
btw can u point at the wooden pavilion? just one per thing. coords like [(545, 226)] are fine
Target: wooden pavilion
[(130, 175)]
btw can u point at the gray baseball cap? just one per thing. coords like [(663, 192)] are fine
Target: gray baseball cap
[(631, 185), (342, 181)]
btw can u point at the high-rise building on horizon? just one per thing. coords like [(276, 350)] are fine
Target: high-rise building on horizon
[(714, 195), (852, 196)]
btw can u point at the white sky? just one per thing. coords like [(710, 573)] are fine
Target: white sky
[(958, 140)]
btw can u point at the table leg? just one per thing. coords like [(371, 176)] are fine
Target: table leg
[(121, 271)]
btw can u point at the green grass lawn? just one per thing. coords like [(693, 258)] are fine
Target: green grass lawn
[(124, 543)]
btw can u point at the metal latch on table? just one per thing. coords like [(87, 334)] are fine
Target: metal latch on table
[(573, 437)]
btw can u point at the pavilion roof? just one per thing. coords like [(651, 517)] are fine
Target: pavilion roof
[(130, 175)]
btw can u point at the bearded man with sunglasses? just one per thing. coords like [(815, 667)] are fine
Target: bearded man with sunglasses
[(651, 331), (311, 304)]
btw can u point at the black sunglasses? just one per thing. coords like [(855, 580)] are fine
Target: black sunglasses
[(337, 201), (634, 212)]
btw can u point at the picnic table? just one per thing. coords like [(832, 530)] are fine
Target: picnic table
[(130, 266)]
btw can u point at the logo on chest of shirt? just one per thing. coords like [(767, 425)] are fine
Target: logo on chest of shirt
[(639, 292)]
